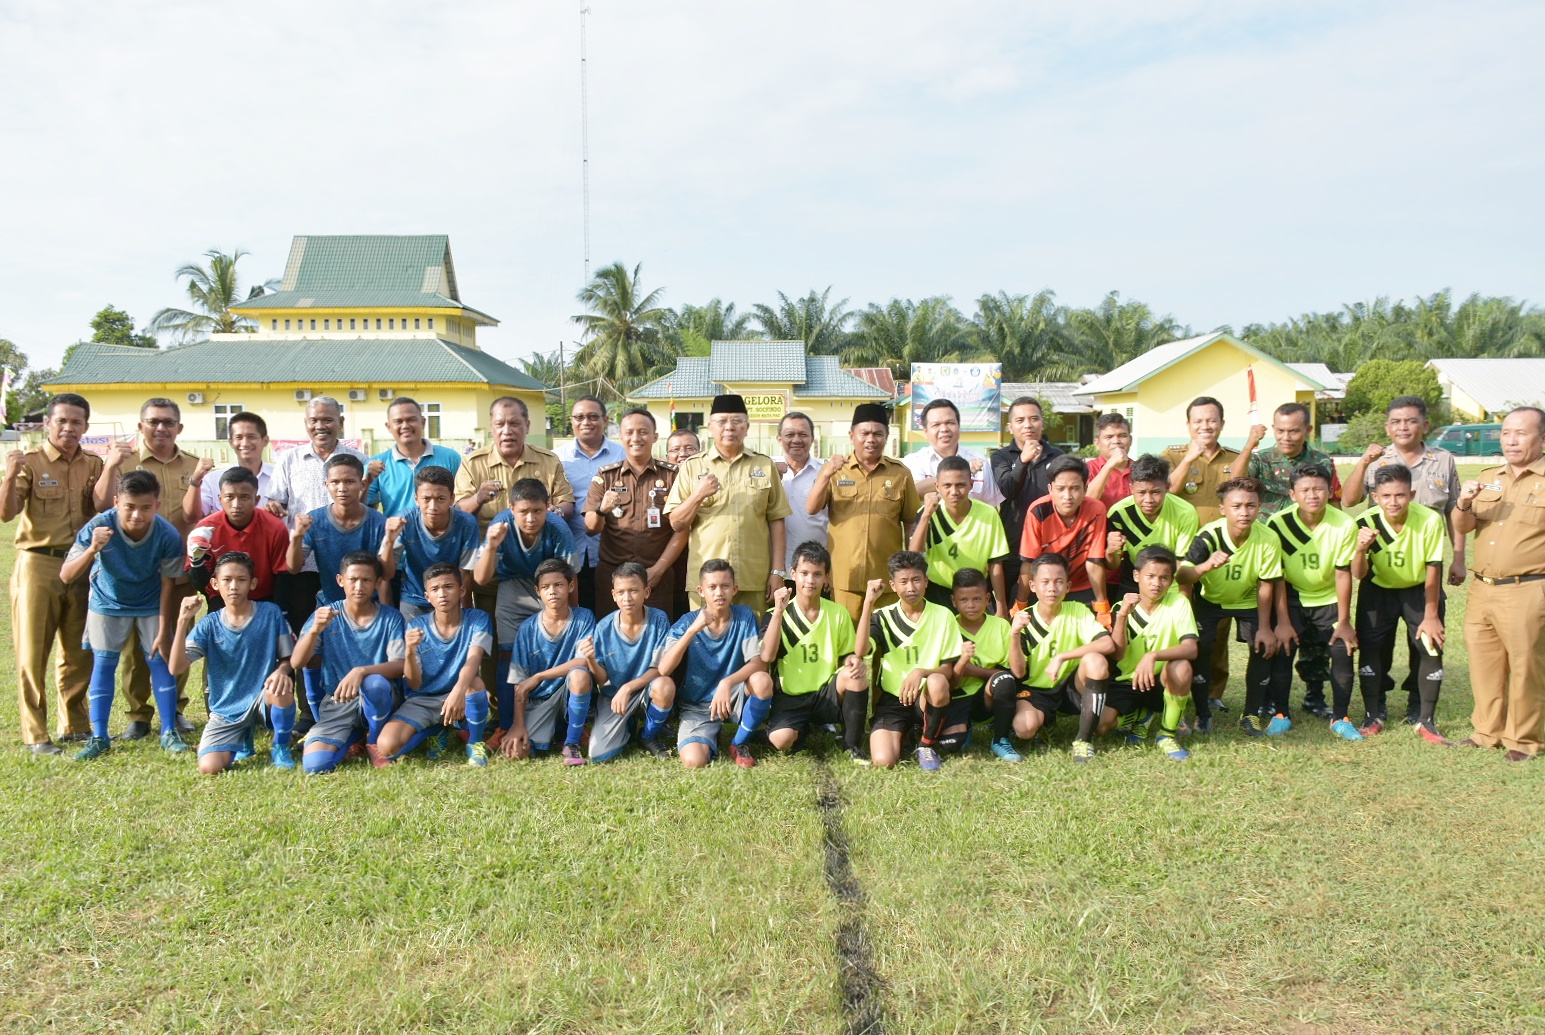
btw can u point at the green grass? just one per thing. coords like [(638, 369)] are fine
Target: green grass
[(1299, 886)]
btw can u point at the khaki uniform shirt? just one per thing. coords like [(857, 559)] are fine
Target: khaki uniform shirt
[(732, 523), (1203, 478), (175, 475), (869, 514), (55, 497), (629, 537), (1510, 523), (1434, 478), (486, 465)]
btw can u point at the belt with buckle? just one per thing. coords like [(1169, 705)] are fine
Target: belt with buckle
[(1508, 580), (48, 551)]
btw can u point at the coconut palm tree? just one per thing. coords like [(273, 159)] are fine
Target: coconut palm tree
[(623, 330), (814, 319), (1022, 332), (1109, 335), (904, 332), (213, 290)]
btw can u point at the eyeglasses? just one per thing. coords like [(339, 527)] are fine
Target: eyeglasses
[(162, 423), (585, 418)]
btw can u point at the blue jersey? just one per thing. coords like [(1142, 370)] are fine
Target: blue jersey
[(624, 659), (332, 544), (516, 561), (417, 550), (535, 651), (126, 576), (710, 660), (237, 661), (440, 660), (393, 488), (344, 645)]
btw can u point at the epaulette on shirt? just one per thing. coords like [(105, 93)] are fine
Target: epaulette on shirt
[(609, 467)]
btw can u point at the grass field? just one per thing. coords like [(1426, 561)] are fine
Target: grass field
[(1301, 886)]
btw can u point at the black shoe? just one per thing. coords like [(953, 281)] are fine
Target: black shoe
[(73, 738), (656, 746), (857, 755), (47, 747), (136, 731), (1318, 708), (182, 724), (1218, 706)]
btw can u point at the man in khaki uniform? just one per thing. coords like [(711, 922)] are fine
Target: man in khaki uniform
[(1196, 471), (625, 507), (160, 422), (871, 499), (50, 489), (730, 501), (1505, 619)]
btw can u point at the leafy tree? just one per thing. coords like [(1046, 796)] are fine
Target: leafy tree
[(1022, 332), (27, 392), (623, 330), (901, 333), (1110, 334), (814, 319), (213, 290), (113, 326), (1380, 380), (1362, 431)]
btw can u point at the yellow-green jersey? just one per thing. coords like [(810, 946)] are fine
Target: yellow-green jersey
[(810, 652), (1311, 557), (1400, 559), (975, 541), (927, 642), (1072, 627), (1169, 624), (992, 651), (1255, 560), (1174, 526)]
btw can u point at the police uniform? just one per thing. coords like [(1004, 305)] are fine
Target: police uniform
[(1506, 612), (56, 500), (732, 523), (175, 475), (1203, 477), (635, 529), (869, 513)]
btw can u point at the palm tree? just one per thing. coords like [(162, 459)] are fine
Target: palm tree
[(213, 290), (814, 320), (1022, 332), (904, 332), (694, 327), (623, 329), (1110, 334)]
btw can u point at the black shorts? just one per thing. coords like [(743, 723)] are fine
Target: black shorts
[(1208, 615), (1062, 699), (800, 711), (1125, 699), (941, 595), (1312, 623)]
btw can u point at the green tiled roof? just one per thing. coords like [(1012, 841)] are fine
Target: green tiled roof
[(301, 361), (817, 377), (368, 271), (757, 361)]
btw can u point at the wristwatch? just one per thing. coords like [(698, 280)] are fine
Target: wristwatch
[(780, 573)]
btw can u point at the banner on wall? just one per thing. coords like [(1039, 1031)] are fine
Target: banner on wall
[(976, 389)]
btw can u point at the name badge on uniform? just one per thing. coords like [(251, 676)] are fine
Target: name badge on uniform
[(846, 481), (652, 517)]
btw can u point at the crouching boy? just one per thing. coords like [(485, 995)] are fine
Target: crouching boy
[(1155, 637)]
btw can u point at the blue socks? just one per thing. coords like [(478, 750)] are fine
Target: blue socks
[(163, 687), (99, 694), (283, 720), (312, 677), (752, 714), (579, 713), (375, 698), (654, 719), (477, 716)]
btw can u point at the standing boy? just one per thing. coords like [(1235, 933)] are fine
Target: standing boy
[(957, 532), (552, 669), (1068, 523), (240, 526), (135, 559), (433, 531), (1150, 516), (333, 532)]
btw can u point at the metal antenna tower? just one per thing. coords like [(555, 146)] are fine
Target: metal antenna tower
[(584, 131)]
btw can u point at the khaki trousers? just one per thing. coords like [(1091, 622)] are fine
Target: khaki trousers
[(43, 610), (1505, 632), (136, 674)]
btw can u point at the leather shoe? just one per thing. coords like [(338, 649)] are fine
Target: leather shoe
[(1470, 742), (47, 747), (73, 738), (136, 731), (182, 724), (1518, 756)]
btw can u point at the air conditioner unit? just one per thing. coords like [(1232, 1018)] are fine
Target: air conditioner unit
[(356, 395), (303, 395), (387, 393), (195, 397)]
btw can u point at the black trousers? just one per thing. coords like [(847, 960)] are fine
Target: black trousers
[(1379, 614), (1314, 626), (1257, 672)]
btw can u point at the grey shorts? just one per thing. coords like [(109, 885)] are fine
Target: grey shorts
[(111, 632), (695, 727), (544, 716), (222, 735), (517, 601), (421, 711), (610, 732), (412, 611), (338, 724)]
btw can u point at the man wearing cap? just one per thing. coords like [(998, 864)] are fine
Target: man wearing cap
[(731, 502), (870, 500)]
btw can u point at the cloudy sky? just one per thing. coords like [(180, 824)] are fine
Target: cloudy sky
[(1223, 161)]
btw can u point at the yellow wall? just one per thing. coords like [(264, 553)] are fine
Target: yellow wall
[(450, 324), (1159, 403), (463, 408), (1464, 406), (831, 417)]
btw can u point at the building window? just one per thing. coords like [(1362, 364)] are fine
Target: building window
[(276, 325), (286, 325), (351, 323), (432, 419), (327, 325), (313, 324), (378, 323), (391, 324), (688, 422), (416, 323), (431, 323), (223, 414)]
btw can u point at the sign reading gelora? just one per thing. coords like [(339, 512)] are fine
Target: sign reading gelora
[(976, 389), (766, 407)]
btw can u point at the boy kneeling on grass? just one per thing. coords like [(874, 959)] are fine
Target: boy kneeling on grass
[(442, 652), (1155, 636), (362, 646), (246, 650), (129, 551), (713, 655), (917, 643), (553, 669), (627, 644), (808, 645), (1060, 653)]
